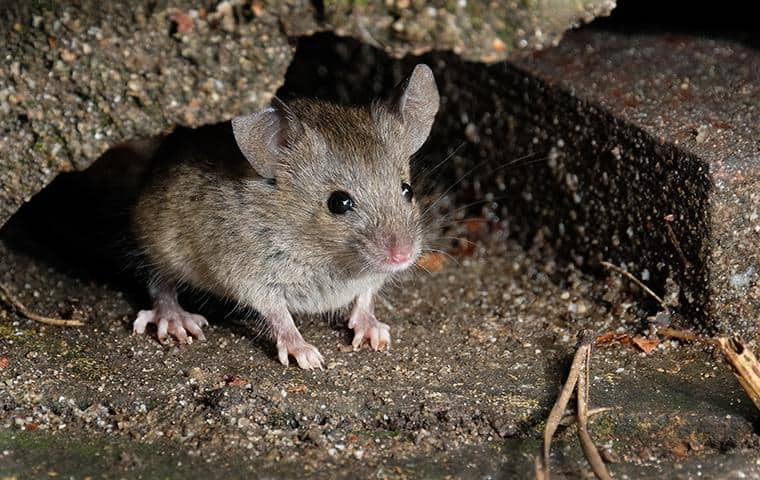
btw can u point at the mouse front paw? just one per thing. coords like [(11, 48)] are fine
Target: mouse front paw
[(306, 354), (176, 322), (367, 328)]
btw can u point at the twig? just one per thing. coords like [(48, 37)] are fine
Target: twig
[(589, 449), (674, 240), (555, 416), (571, 418), (635, 280), (541, 472), (685, 335), (21, 308)]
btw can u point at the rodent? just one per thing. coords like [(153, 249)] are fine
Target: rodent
[(298, 208)]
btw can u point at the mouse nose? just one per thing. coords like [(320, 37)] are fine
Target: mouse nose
[(399, 256), (398, 252)]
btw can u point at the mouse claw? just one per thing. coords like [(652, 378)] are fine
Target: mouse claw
[(174, 322), (368, 328), (307, 356)]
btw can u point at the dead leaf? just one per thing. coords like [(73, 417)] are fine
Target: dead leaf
[(610, 338), (182, 20), (298, 389), (432, 262), (257, 8), (235, 380), (645, 344)]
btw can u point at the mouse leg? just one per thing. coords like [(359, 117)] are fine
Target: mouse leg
[(289, 340), (366, 326), (169, 316)]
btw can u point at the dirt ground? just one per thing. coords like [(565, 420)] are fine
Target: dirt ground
[(480, 349)]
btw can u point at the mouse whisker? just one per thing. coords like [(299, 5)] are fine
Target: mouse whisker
[(425, 172)]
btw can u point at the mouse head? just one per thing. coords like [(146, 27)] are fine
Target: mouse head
[(342, 173)]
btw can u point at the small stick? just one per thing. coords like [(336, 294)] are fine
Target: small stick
[(677, 246), (570, 418), (635, 280), (555, 416), (21, 308), (540, 472), (685, 335), (589, 449)]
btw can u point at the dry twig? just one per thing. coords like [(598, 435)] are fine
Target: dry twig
[(578, 375), (685, 335), (572, 417), (16, 304), (589, 449), (635, 280)]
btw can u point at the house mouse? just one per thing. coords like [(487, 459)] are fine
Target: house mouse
[(302, 207)]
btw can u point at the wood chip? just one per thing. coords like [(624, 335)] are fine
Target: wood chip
[(745, 366)]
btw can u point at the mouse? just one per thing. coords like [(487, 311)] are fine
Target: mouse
[(304, 207)]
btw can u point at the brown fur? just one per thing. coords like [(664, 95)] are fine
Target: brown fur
[(207, 218)]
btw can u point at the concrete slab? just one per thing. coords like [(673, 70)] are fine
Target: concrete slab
[(693, 200), (480, 350)]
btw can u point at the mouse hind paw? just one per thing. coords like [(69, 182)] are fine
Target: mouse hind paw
[(182, 325), (306, 354)]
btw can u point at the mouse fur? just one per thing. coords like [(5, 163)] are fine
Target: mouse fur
[(241, 209)]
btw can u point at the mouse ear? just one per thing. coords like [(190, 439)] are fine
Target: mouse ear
[(263, 136), (415, 102)]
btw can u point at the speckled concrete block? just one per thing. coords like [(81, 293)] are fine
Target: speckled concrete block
[(683, 134), (80, 77)]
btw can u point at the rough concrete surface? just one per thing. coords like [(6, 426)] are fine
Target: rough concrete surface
[(479, 351), (480, 348), (700, 99), (481, 30), (80, 77)]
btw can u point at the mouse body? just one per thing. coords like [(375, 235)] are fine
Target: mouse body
[(298, 208)]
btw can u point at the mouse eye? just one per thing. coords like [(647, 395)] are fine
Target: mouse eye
[(340, 202), (406, 191)]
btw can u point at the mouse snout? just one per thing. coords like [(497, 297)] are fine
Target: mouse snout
[(398, 251)]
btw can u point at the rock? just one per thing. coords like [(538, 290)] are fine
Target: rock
[(478, 30)]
